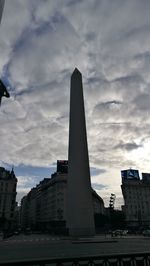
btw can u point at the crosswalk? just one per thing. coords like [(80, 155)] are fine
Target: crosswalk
[(37, 239)]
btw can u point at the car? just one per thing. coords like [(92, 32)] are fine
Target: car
[(27, 231), (124, 232), (119, 232), (16, 233), (146, 233)]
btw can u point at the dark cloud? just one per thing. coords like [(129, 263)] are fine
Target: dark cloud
[(73, 2), (98, 186), (90, 36), (107, 105), (128, 146), (124, 80), (143, 56), (96, 79), (96, 171)]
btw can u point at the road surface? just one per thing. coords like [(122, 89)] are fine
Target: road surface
[(44, 246)]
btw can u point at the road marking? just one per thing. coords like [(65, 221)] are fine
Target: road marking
[(29, 240)]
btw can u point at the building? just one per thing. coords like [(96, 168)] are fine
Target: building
[(136, 194), (45, 207), (98, 204), (8, 183)]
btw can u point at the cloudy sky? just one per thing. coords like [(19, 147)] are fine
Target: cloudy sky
[(41, 42)]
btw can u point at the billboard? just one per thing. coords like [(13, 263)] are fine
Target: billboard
[(130, 174), (62, 166)]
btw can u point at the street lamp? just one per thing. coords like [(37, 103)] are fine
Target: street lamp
[(112, 201), (3, 91), (2, 2)]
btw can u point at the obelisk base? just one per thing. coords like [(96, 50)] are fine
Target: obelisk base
[(82, 232)]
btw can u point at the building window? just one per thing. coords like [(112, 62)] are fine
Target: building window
[(6, 186), (14, 188), (1, 186)]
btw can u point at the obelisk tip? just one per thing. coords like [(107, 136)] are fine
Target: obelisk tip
[(76, 71)]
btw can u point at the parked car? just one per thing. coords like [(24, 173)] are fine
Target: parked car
[(119, 232), (146, 233), (27, 231), (16, 233)]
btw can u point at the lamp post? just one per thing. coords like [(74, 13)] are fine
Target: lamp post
[(111, 208), (3, 91), (112, 201), (1, 8)]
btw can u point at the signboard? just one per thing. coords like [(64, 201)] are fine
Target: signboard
[(130, 174), (62, 166)]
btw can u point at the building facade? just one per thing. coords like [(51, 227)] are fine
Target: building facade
[(45, 205), (8, 183), (136, 194)]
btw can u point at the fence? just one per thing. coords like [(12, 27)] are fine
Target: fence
[(140, 259)]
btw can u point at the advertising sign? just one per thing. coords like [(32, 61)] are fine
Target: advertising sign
[(62, 166), (130, 174)]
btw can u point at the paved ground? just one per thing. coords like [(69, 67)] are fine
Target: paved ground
[(43, 246)]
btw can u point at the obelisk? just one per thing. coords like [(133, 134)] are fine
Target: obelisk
[(80, 216)]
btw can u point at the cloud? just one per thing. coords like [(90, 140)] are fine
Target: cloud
[(98, 186), (95, 171), (142, 102), (25, 182), (10, 29), (24, 185), (128, 146), (40, 46)]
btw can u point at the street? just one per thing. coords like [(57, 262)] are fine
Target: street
[(44, 246)]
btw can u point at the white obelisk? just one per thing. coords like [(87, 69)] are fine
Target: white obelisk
[(80, 215)]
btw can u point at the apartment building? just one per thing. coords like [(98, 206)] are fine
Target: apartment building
[(45, 204), (136, 194), (8, 183)]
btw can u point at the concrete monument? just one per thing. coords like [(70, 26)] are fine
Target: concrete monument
[(80, 215)]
